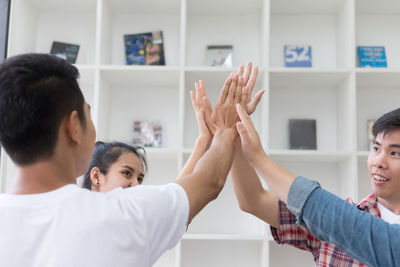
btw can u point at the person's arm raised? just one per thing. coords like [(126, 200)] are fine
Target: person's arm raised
[(277, 177), (209, 175), (200, 106)]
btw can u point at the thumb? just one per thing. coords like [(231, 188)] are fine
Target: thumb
[(243, 133), (254, 102)]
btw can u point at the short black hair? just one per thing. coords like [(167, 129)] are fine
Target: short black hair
[(106, 153), (387, 122), (36, 92)]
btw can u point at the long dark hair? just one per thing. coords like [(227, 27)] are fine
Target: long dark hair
[(106, 153)]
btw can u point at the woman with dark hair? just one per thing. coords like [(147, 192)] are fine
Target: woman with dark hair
[(115, 164)]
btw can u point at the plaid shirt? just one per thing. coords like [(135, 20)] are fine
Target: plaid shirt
[(325, 254)]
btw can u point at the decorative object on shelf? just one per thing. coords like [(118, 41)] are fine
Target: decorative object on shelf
[(219, 56), (147, 133), (144, 48), (372, 56), (370, 123), (302, 134), (298, 56), (66, 51)]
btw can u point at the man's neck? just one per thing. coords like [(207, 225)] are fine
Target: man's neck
[(41, 177), (393, 206)]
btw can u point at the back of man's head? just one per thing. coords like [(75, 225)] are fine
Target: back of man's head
[(387, 123), (36, 92)]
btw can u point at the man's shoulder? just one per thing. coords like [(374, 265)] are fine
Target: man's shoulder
[(367, 204)]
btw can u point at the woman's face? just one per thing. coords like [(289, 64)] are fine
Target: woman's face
[(127, 171)]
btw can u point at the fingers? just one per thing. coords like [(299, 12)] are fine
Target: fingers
[(247, 74), (243, 133), (232, 89), (252, 80), (251, 107), (202, 90), (193, 98), (239, 89), (225, 89), (206, 107), (245, 119), (241, 70), (245, 97)]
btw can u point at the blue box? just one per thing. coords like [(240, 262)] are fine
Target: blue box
[(298, 56), (372, 56)]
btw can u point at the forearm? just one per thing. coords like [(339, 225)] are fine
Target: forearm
[(277, 177), (251, 195), (359, 234), (200, 147), (209, 175), (217, 161)]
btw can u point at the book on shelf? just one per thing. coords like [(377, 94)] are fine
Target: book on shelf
[(144, 48), (147, 133), (372, 56), (219, 56), (298, 56), (66, 51), (370, 124), (302, 134)]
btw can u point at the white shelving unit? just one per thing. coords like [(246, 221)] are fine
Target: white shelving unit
[(335, 91)]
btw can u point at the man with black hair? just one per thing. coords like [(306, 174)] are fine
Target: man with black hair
[(46, 219), (337, 233)]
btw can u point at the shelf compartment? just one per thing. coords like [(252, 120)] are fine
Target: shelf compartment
[(221, 253), (374, 87), (308, 155), (378, 24), (224, 23), (161, 171), (326, 27), (119, 17), (279, 256), (299, 95), (148, 95), (334, 176), (34, 25)]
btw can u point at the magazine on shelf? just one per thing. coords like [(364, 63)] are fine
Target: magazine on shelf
[(298, 56), (372, 56), (219, 56), (144, 48), (66, 51)]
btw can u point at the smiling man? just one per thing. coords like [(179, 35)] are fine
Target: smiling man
[(384, 202), (384, 167)]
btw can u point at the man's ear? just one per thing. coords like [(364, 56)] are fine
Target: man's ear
[(95, 178), (73, 127)]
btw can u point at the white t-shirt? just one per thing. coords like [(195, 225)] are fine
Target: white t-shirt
[(72, 226), (387, 215)]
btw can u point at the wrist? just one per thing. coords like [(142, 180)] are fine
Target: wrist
[(203, 142), (259, 159), (229, 134)]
